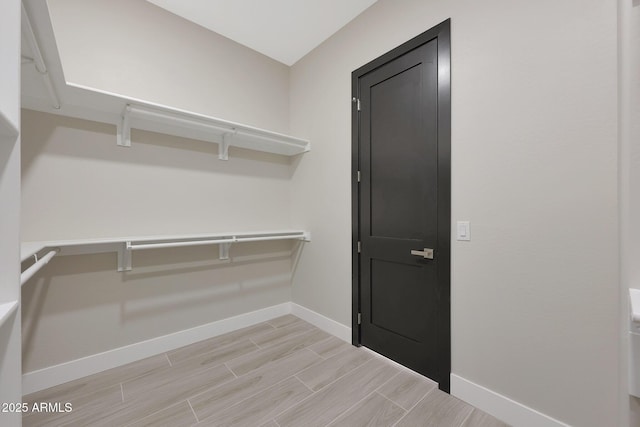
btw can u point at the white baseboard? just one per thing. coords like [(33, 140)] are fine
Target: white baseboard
[(72, 370), (328, 325), (500, 406)]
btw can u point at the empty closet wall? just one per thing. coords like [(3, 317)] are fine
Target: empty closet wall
[(534, 293), (79, 184)]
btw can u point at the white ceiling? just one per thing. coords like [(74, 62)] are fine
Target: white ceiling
[(284, 30)]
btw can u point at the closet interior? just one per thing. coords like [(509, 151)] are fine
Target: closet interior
[(263, 163)]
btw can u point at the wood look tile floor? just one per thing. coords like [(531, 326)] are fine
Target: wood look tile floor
[(280, 373)]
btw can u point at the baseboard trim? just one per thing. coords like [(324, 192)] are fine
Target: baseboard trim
[(72, 370), (500, 406), (316, 319)]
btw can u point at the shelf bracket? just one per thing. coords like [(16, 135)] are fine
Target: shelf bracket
[(124, 257), (124, 128), (223, 153), (224, 250)]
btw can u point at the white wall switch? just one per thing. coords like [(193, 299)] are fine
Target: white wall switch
[(463, 230)]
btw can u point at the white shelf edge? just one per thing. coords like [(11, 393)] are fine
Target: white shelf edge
[(6, 310), (32, 247), (122, 245), (205, 128), (285, 144)]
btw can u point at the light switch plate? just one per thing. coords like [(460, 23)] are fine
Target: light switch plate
[(463, 231)]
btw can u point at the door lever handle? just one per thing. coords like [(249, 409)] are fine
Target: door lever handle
[(426, 253)]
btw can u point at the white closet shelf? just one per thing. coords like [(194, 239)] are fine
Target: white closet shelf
[(6, 310), (125, 245), (204, 128)]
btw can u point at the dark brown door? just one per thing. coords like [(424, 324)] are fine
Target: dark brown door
[(402, 125)]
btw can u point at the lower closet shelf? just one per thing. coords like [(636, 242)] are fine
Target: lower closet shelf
[(125, 245)]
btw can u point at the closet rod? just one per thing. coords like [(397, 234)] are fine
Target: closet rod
[(133, 247), (29, 272), (260, 239)]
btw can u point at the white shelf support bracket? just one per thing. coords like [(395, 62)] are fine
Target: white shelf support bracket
[(124, 128), (124, 257), (223, 153), (307, 236), (224, 250)]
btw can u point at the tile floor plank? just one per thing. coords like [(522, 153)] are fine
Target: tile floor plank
[(285, 320), (211, 344), (222, 355), (437, 409), (261, 407), (329, 370), (336, 398), (106, 379), (479, 418), (152, 401), (208, 403), (188, 378), (247, 363), (81, 405), (374, 411), (329, 347), (407, 389), (282, 334), (179, 414)]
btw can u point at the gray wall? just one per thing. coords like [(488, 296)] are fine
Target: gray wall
[(534, 294)]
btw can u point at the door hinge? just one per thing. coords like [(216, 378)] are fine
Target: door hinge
[(359, 318), (358, 176), (359, 247), (357, 102)]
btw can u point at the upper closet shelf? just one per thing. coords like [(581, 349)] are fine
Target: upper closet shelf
[(205, 128)]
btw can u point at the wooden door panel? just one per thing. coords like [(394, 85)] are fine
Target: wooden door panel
[(397, 300)]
